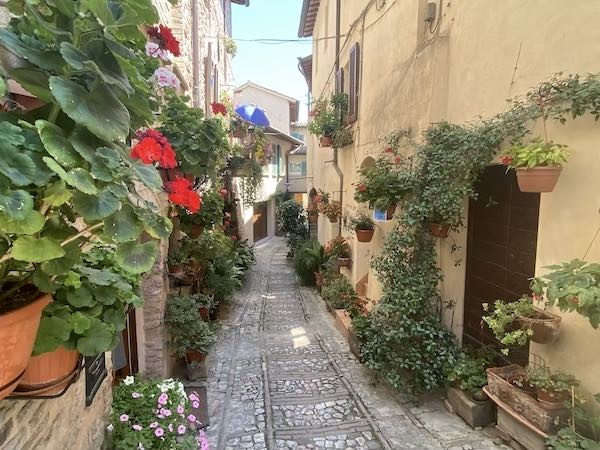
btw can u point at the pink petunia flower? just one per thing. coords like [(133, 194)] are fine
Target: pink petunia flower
[(181, 429), (162, 399), (192, 418), (159, 432), (153, 425), (194, 397), (165, 412), (123, 417), (136, 395), (170, 427), (196, 405), (180, 409), (137, 427)]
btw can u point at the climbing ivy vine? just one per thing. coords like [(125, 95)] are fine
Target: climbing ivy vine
[(403, 338)]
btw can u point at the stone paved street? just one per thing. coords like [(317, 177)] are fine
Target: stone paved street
[(282, 377)]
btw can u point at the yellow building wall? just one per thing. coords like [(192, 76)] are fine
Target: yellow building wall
[(461, 67)]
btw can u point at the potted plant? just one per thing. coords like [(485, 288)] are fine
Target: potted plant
[(331, 209), (553, 388), (572, 286), (439, 230), (514, 323), (339, 294), (363, 225), (324, 122), (176, 262), (191, 337), (309, 259), (230, 46), (538, 164), (206, 303), (386, 183), (339, 249), (468, 377), (209, 215)]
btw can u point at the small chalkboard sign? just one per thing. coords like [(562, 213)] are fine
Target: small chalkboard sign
[(380, 214), (95, 373)]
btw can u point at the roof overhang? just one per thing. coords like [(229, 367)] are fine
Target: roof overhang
[(270, 131), (305, 67), (299, 151), (241, 2), (310, 8)]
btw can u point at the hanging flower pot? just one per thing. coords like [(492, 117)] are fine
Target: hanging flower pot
[(332, 219), (538, 179), (18, 329), (49, 373), (439, 230), (326, 141), (195, 231), (345, 262), (545, 326), (365, 235)]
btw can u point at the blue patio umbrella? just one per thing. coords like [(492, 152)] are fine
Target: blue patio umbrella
[(253, 114)]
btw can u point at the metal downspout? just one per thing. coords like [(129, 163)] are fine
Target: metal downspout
[(338, 8)]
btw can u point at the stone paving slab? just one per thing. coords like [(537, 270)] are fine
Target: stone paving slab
[(282, 377)]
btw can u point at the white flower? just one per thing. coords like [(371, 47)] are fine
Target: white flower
[(140, 446), (110, 428), (153, 50), (163, 77), (129, 380)]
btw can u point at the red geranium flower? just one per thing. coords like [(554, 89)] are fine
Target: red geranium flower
[(167, 159), (219, 108), (389, 150), (165, 39), (147, 149), (154, 147), (362, 188), (506, 160), (223, 193), (181, 193)]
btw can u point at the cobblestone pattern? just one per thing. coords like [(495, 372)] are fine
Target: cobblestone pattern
[(282, 377)]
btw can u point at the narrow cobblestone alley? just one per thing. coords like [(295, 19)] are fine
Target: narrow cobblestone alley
[(282, 377)]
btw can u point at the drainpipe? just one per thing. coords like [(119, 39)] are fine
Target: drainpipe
[(338, 7), (195, 55)]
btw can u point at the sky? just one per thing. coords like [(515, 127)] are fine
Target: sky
[(271, 65)]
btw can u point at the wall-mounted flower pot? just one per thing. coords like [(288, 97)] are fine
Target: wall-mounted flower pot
[(345, 262), (49, 373), (390, 212), (538, 179), (239, 133), (365, 235), (195, 231), (333, 219), (545, 326), (175, 268), (204, 312), (439, 230), (18, 329), (326, 141)]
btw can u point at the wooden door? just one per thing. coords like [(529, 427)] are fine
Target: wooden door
[(260, 221), (501, 248)]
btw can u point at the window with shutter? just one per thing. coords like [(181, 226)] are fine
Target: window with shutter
[(353, 85), (208, 82)]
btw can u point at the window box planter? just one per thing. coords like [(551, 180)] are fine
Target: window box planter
[(325, 141), (439, 230), (521, 402), (538, 179), (545, 326), (345, 262), (18, 329), (365, 235), (49, 373), (475, 413)]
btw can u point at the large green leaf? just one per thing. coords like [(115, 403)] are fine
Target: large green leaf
[(100, 9), (99, 277), (62, 265), (17, 205), (115, 317), (57, 194), (97, 339), (100, 111), (135, 257), (95, 207), (31, 224), (107, 295), (110, 157), (45, 59), (18, 167), (145, 10), (79, 178), (36, 250), (52, 333), (159, 227), (33, 80), (42, 281), (80, 322), (148, 175), (122, 226), (80, 298), (58, 145), (98, 59)]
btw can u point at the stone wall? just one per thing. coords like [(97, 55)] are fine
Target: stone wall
[(58, 424)]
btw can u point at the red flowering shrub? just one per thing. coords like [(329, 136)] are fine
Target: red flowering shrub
[(181, 193), (219, 108), (153, 147), (165, 39)]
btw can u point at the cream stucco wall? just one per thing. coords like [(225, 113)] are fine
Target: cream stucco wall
[(276, 106), (463, 66)]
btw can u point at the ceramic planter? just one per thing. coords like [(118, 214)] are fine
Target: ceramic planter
[(49, 373), (538, 179), (365, 235), (345, 262), (545, 326), (326, 141), (439, 230), (18, 329)]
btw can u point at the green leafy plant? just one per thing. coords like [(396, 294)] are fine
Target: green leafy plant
[(554, 383), (572, 286), (338, 293), (137, 421), (469, 371), (188, 331), (502, 321), (582, 432), (361, 221), (251, 183), (210, 214), (332, 209), (292, 222), (328, 118), (338, 247), (569, 439), (230, 46), (309, 258), (244, 257), (536, 153)]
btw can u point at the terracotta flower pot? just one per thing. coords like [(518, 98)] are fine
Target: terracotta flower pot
[(326, 141), (195, 231), (365, 235), (345, 262), (390, 211), (204, 312), (555, 399), (538, 179), (333, 219), (49, 373), (439, 230), (175, 268), (195, 356), (545, 326), (18, 329)]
